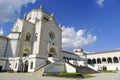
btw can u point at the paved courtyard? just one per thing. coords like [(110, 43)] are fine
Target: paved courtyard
[(25, 76), (105, 76)]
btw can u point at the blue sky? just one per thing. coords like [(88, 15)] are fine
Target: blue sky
[(99, 18)]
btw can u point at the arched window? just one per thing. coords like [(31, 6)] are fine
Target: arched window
[(31, 67), (115, 59), (28, 36), (94, 61), (103, 60), (98, 61), (109, 59), (89, 61)]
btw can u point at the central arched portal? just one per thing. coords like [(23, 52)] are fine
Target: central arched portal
[(52, 52), (26, 52)]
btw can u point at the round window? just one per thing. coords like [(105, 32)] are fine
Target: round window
[(51, 35)]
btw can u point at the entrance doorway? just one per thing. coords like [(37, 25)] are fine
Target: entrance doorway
[(0, 68), (104, 68), (26, 66), (50, 55), (25, 54)]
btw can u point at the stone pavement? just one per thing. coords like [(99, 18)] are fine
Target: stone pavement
[(105, 76), (27, 76)]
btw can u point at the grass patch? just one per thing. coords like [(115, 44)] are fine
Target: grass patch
[(87, 75), (73, 75), (70, 75), (108, 71)]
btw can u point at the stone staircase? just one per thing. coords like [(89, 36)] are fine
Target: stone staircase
[(50, 59), (83, 69), (40, 71)]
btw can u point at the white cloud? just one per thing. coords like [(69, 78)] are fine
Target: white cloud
[(118, 48), (100, 2), (72, 38), (1, 31), (10, 9)]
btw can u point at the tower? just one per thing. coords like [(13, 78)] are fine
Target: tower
[(47, 34), (78, 51)]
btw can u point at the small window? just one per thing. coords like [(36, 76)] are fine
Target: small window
[(28, 36), (31, 67), (35, 36)]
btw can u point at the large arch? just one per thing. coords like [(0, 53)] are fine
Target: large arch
[(109, 59), (94, 61), (99, 61), (115, 60), (103, 59), (52, 52), (89, 61), (26, 52)]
